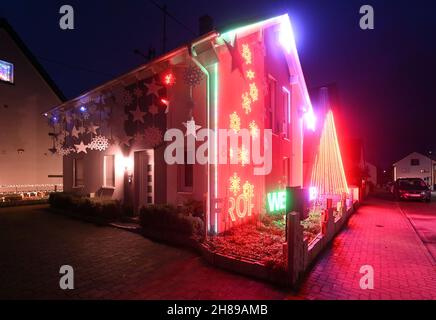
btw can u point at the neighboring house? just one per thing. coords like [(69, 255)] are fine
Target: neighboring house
[(26, 90), (416, 165), (372, 173), (112, 137)]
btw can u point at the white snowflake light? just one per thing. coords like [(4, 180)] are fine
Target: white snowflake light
[(99, 143), (246, 102), (235, 184), (235, 122)]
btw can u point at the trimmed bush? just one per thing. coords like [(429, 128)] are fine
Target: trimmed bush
[(169, 218)]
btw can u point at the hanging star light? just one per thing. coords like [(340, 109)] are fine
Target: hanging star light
[(153, 88), (153, 109), (75, 132), (93, 128), (191, 127), (236, 57), (81, 147), (138, 114), (124, 139), (153, 136)]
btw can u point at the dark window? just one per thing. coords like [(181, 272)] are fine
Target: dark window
[(414, 162), (185, 175)]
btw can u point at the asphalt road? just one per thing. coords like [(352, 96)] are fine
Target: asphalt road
[(423, 218)]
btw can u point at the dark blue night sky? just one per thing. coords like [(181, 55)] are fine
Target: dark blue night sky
[(385, 77)]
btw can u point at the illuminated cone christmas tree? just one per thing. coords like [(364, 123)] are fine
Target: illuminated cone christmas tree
[(328, 174)]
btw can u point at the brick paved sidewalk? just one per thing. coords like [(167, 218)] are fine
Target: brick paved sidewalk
[(378, 234)]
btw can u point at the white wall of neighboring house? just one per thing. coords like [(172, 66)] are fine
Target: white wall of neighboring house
[(22, 125), (415, 165), (372, 171)]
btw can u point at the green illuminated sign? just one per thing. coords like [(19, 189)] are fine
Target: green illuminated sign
[(277, 201)]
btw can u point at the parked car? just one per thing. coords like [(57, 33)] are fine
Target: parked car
[(411, 188)]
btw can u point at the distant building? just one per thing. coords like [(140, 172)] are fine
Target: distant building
[(416, 165), (25, 91), (372, 173)]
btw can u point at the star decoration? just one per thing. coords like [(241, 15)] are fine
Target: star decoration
[(81, 147), (153, 88), (75, 132), (124, 139), (93, 128), (138, 115), (236, 57), (82, 130), (191, 127)]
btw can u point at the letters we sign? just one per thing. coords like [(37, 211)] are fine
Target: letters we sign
[(277, 201)]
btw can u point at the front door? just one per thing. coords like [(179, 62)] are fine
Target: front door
[(144, 178)]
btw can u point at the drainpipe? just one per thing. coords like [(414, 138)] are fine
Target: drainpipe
[(202, 68)]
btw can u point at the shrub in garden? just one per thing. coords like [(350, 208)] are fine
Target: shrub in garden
[(169, 218)]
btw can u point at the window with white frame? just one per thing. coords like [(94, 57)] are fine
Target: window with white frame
[(109, 171), (78, 173), (271, 108), (286, 112)]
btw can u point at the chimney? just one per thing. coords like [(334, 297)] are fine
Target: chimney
[(205, 24)]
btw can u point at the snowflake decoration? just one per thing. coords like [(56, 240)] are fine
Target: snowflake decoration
[(99, 143), (243, 156), (138, 92), (193, 76), (153, 136), (246, 102), (62, 151), (254, 93), (235, 184), (246, 53), (250, 74), (235, 122), (248, 190), (233, 153), (254, 129)]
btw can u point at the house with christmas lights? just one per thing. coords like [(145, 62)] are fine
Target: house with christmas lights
[(26, 162), (162, 133)]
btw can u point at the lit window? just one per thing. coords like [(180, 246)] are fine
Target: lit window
[(78, 173), (6, 71), (109, 171)]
